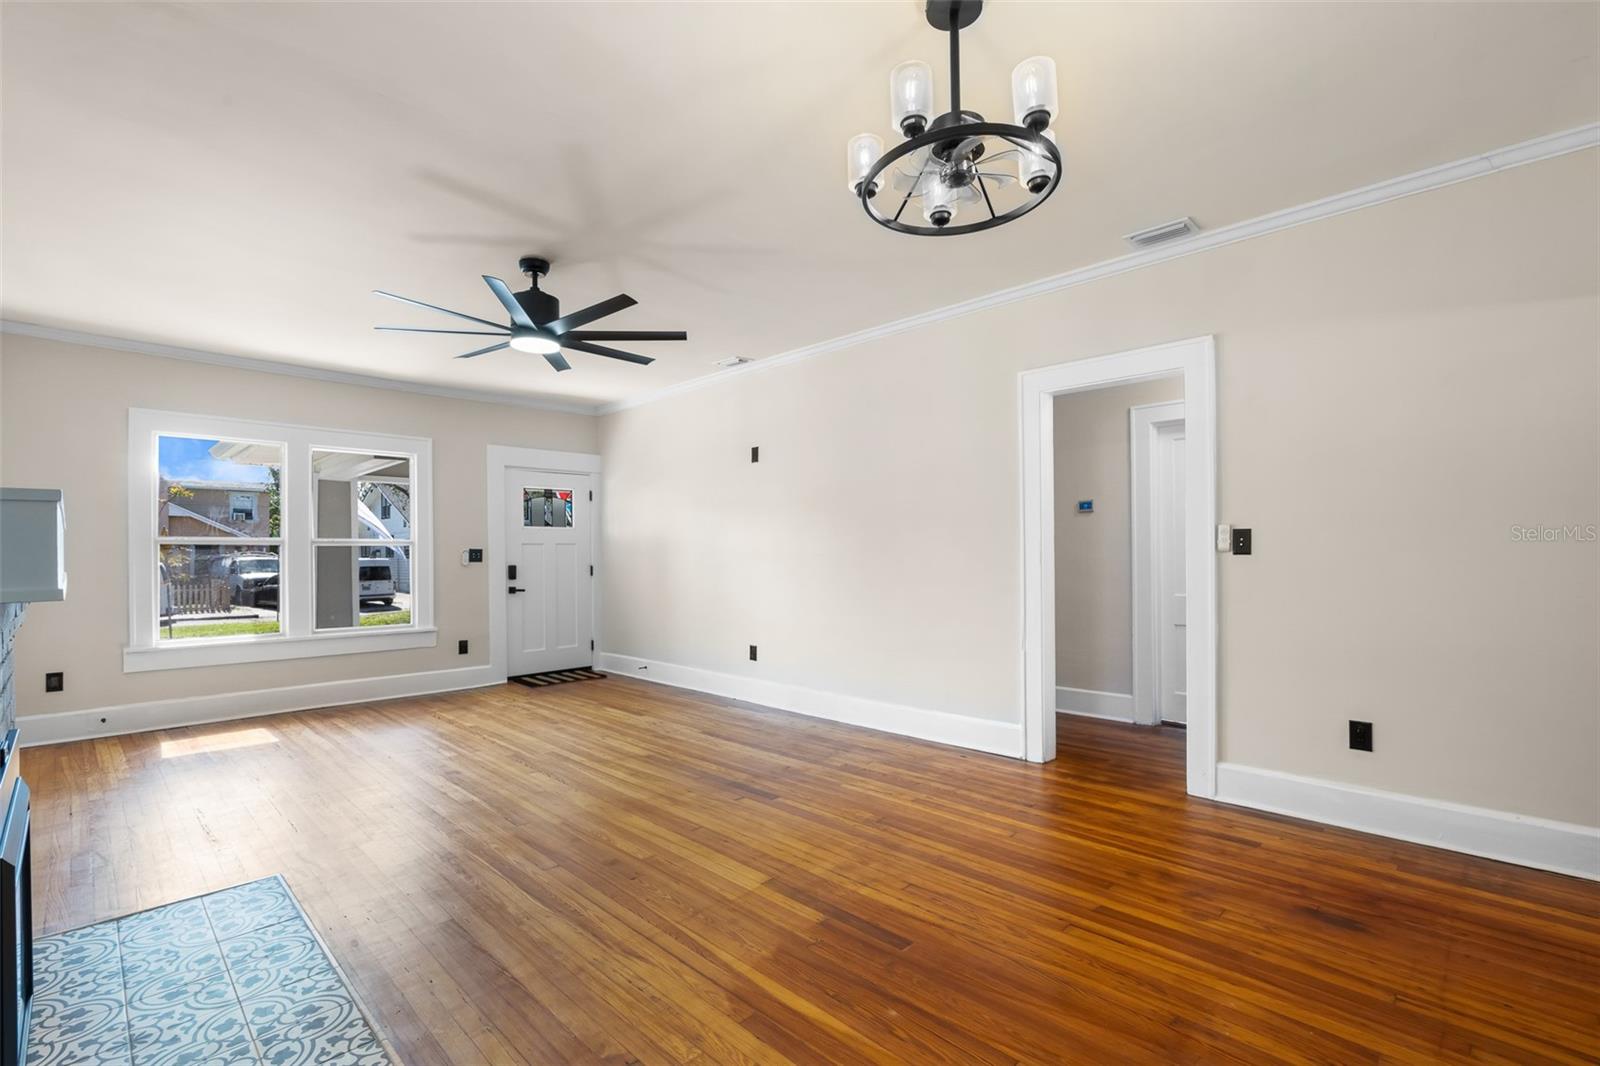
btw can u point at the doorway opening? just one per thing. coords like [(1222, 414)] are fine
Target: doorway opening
[(1127, 629)]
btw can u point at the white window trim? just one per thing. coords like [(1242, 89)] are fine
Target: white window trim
[(297, 638)]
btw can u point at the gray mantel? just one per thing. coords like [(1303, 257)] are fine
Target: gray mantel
[(10, 619)]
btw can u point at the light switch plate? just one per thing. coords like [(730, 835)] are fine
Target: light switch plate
[(1224, 538)]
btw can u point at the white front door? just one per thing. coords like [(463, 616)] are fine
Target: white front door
[(548, 579), (1173, 618)]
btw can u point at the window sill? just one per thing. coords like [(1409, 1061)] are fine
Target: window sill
[(225, 651)]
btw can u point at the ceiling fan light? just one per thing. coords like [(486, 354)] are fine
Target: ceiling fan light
[(1035, 169), (860, 156), (911, 96), (535, 344), (1033, 92)]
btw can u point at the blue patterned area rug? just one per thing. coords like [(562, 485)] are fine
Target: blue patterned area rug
[(238, 976)]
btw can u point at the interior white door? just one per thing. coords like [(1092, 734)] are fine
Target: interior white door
[(548, 578), (1173, 621)]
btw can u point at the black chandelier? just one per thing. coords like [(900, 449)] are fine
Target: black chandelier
[(956, 161)]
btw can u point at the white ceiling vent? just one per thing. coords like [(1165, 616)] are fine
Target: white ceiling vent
[(732, 360), (1167, 231)]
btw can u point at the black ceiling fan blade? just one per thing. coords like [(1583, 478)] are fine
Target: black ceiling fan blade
[(509, 302), (627, 335), (433, 307), (485, 351), (558, 361), (609, 353), (457, 332), (590, 313)]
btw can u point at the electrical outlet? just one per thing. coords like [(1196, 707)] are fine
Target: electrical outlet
[(1360, 735), (461, 647), (1241, 541), (755, 454), (474, 555), (55, 682), (752, 653)]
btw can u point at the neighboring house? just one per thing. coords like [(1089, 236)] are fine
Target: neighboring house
[(386, 510), (214, 508)]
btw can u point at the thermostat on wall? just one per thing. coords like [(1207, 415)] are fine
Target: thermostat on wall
[(1086, 507)]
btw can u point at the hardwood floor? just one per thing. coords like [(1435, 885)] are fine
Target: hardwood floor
[(614, 871)]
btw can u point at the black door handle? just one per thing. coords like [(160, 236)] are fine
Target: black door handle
[(514, 588)]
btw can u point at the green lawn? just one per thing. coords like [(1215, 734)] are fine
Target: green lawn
[(393, 618), (222, 629), (254, 626)]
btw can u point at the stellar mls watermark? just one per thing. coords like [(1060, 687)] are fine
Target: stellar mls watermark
[(1542, 534)]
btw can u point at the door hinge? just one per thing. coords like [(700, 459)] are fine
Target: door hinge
[(591, 645), (591, 495), (591, 570)]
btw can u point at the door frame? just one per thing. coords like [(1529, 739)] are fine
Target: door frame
[(1036, 392), (1144, 423), (502, 457)]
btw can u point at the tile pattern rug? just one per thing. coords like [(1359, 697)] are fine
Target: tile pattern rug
[(238, 976)]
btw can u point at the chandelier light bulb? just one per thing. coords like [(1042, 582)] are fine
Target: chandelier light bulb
[(939, 203), (911, 97), (1034, 168), (1033, 92), (860, 155)]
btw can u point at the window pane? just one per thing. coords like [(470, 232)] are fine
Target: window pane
[(362, 495), (217, 488), (368, 585), (547, 508), (216, 590)]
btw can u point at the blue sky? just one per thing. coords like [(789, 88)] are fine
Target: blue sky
[(189, 459)]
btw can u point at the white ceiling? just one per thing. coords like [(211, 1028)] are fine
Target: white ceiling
[(237, 177)]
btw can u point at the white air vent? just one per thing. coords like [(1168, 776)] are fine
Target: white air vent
[(732, 360), (1167, 231)]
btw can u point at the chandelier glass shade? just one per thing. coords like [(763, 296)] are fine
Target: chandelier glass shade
[(956, 172)]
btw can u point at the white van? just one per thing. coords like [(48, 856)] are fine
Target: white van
[(377, 581)]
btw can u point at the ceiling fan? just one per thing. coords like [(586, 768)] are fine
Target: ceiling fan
[(538, 326)]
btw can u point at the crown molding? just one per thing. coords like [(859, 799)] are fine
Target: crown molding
[(1532, 151), (294, 370), (1476, 166)]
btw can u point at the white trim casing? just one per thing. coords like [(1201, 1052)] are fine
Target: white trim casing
[(501, 457), (941, 727), (298, 637), (1036, 391), (1091, 703), (1143, 422), (36, 729), (1563, 847)]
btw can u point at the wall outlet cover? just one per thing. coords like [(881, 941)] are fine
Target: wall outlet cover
[(55, 682), (1360, 735), (474, 555), (461, 647)]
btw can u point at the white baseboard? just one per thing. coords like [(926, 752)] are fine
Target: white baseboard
[(981, 734), (1563, 847), (35, 729), (1116, 706)]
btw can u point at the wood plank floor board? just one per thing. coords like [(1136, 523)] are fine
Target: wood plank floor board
[(617, 872)]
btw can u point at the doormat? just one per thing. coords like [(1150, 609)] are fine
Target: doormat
[(237, 976), (557, 677)]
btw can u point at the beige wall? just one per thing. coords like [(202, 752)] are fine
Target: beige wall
[(1094, 574), (64, 424), (1398, 386)]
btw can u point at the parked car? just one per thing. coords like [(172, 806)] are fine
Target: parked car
[(267, 593), (377, 581), (246, 573)]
